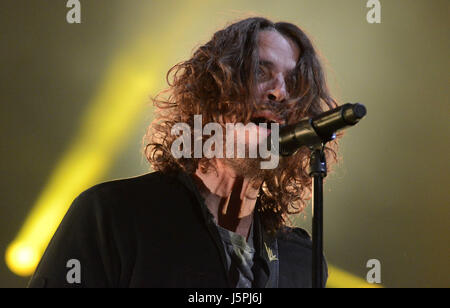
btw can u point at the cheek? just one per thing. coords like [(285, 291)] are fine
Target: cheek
[(260, 90)]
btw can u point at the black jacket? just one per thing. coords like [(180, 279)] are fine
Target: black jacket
[(152, 231)]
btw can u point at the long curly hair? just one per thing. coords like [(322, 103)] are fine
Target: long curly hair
[(217, 83)]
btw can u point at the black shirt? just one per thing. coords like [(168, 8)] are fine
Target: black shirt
[(152, 231)]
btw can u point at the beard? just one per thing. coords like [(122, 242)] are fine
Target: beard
[(251, 168), (245, 167), (251, 165)]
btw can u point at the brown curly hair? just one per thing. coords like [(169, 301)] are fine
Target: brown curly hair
[(217, 83)]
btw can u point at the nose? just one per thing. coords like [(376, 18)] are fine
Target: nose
[(277, 90)]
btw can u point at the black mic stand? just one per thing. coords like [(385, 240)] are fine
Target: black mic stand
[(318, 171), (315, 133)]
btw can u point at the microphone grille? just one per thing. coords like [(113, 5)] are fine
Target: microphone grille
[(352, 113), (359, 110)]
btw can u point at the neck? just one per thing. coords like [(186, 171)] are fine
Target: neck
[(229, 197)]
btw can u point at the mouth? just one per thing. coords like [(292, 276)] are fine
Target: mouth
[(259, 120), (266, 117)]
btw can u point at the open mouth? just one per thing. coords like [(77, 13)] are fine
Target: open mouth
[(266, 117), (259, 120)]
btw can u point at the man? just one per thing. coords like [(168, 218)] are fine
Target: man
[(198, 221)]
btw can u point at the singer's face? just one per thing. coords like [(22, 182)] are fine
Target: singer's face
[(278, 57)]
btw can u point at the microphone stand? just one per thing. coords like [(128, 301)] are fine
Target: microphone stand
[(315, 133), (318, 171)]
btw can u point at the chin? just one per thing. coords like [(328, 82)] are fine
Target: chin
[(249, 168)]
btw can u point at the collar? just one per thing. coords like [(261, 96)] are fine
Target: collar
[(266, 264)]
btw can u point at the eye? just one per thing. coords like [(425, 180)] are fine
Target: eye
[(263, 73)]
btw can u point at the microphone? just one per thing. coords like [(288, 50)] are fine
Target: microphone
[(320, 129)]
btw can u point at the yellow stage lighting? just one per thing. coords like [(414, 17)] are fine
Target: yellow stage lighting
[(22, 258)]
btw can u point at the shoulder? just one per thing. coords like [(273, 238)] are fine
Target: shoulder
[(154, 180), (295, 236), (103, 229), (127, 196), (295, 252), (134, 188)]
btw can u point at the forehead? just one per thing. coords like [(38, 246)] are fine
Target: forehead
[(277, 49)]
